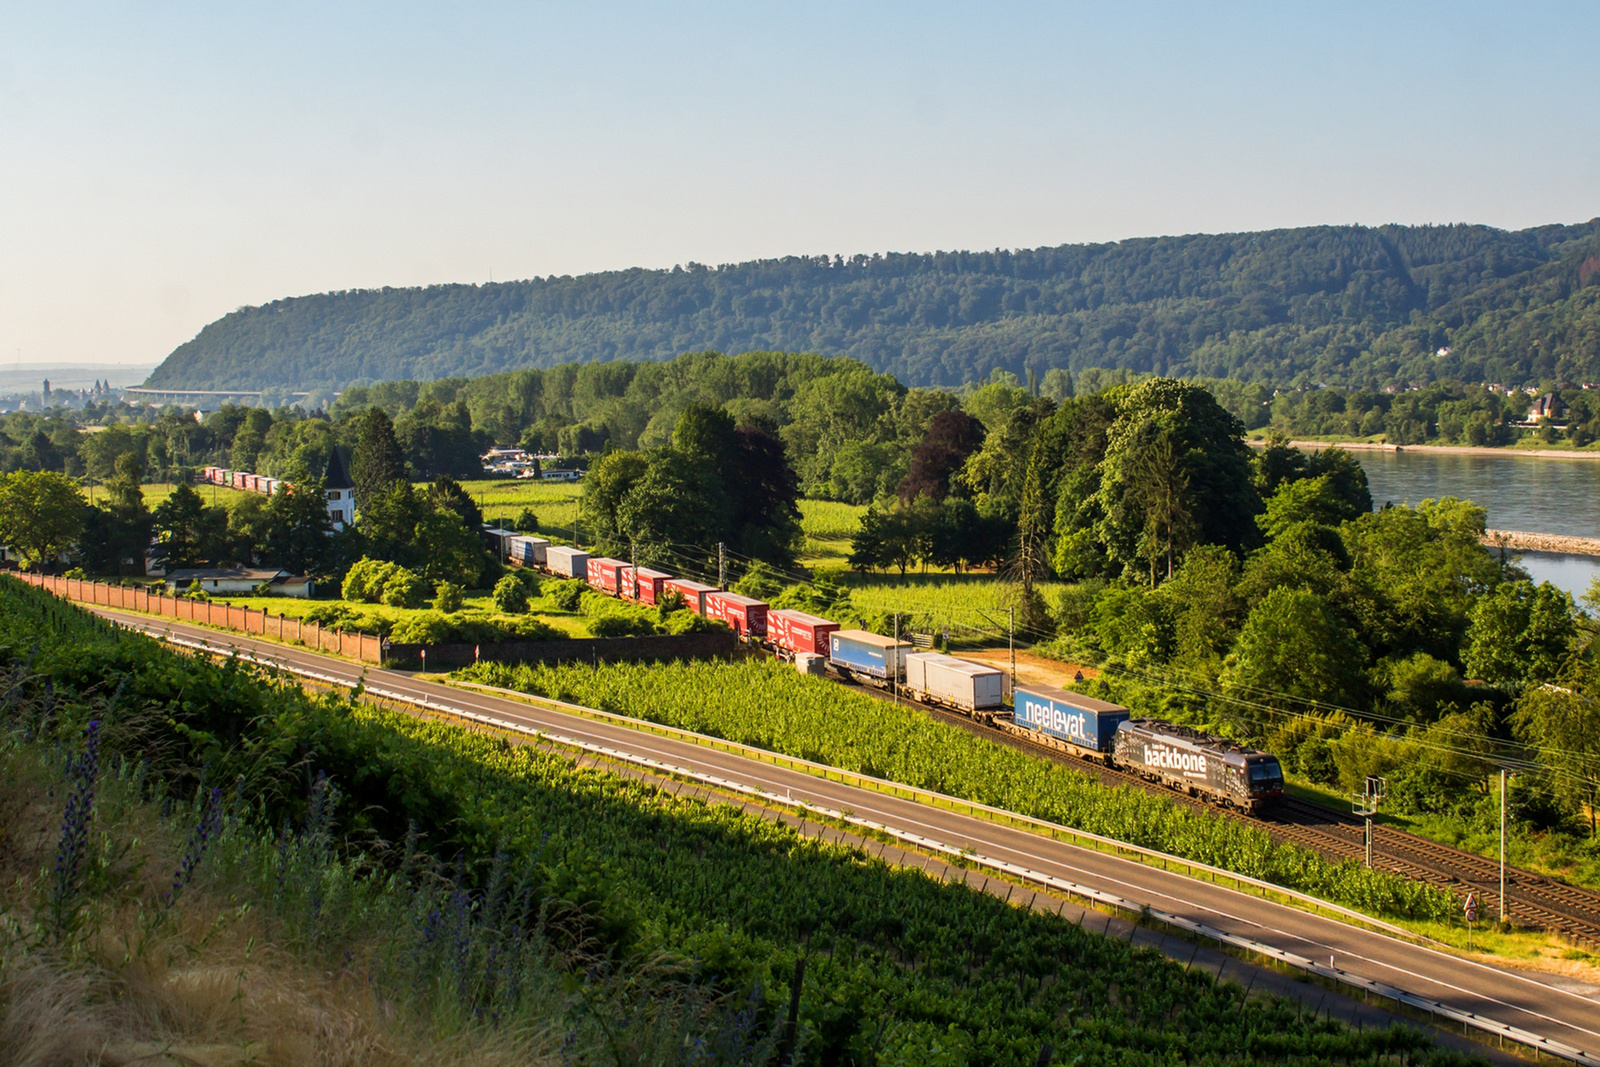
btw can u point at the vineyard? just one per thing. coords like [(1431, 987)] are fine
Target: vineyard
[(938, 602), (516, 887), (768, 705)]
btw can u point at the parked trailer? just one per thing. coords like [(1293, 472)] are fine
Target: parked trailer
[(650, 585), (795, 632), (745, 614), (528, 551), (1198, 763), (1071, 721), (694, 593), (935, 678), (566, 561), (867, 656), (605, 574)]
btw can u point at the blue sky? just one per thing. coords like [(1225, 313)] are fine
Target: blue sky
[(161, 165)]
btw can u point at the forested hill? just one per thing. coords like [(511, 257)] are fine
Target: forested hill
[(1350, 304)]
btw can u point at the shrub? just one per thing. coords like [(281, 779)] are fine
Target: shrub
[(621, 624), (76, 573), (527, 522), (689, 622), (568, 593), (365, 580), (346, 619), (529, 579), (404, 589), (195, 591), (510, 595), (428, 628), (447, 597)]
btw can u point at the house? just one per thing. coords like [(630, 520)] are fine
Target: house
[(341, 493), (241, 581), (560, 475), (1546, 407)]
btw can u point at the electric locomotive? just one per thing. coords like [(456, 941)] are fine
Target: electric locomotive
[(1197, 763)]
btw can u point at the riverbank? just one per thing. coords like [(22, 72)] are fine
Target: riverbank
[(1524, 541), (1442, 450)]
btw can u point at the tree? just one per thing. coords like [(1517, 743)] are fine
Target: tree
[(299, 532), (377, 464), (952, 437), (128, 525), (765, 494), (1176, 472), (1519, 635), (41, 515), (1293, 644), (187, 532), (443, 549), (510, 596), (446, 494), (1562, 722)]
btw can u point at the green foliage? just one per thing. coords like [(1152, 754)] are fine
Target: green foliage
[(364, 581), (768, 705), (1350, 303), (436, 628), (567, 594), (704, 896), (447, 597), (1520, 634), (41, 514), (1293, 644), (510, 595)]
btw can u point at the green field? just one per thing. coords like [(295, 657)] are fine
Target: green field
[(502, 500), (967, 605), (828, 527)]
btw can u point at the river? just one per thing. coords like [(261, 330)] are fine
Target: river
[(1554, 496)]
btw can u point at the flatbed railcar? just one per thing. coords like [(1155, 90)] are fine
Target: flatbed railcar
[(974, 688), (1198, 763)]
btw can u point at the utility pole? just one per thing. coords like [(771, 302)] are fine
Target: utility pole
[(575, 542), (633, 561), (1503, 911), (1011, 644), (894, 674), (722, 565)]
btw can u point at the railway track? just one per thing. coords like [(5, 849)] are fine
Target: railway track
[(1533, 901)]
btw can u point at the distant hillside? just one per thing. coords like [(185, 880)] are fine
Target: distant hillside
[(1338, 304)]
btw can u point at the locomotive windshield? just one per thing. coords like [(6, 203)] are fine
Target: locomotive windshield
[(1266, 773)]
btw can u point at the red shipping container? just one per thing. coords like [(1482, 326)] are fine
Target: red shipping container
[(651, 584), (605, 574), (795, 631), (747, 615), (694, 593)]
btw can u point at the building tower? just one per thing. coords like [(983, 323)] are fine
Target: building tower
[(341, 493)]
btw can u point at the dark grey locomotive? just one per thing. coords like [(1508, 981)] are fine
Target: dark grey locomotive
[(1198, 763)]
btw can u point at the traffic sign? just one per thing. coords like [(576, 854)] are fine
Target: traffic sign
[(1471, 908)]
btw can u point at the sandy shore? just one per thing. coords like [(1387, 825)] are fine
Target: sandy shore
[(1443, 450)]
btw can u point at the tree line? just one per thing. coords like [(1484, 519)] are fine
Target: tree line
[(1348, 304)]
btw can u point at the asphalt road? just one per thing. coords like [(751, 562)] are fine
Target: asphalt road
[(1548, 1005)]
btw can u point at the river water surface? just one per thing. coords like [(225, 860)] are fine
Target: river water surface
[(1554, 496)]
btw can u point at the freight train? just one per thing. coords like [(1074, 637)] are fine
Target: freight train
[(1174, 756)]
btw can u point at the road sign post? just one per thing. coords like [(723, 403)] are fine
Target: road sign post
[(1470, 910), (1366, 803)]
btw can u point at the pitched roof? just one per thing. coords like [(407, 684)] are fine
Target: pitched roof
[(254, 574), (337, 477)]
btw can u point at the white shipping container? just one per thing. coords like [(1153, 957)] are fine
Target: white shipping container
[(956, 683), (566, 561), (811, 663)]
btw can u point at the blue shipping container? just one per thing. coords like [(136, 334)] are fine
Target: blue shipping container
[(867, 653), (1072, 717)]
